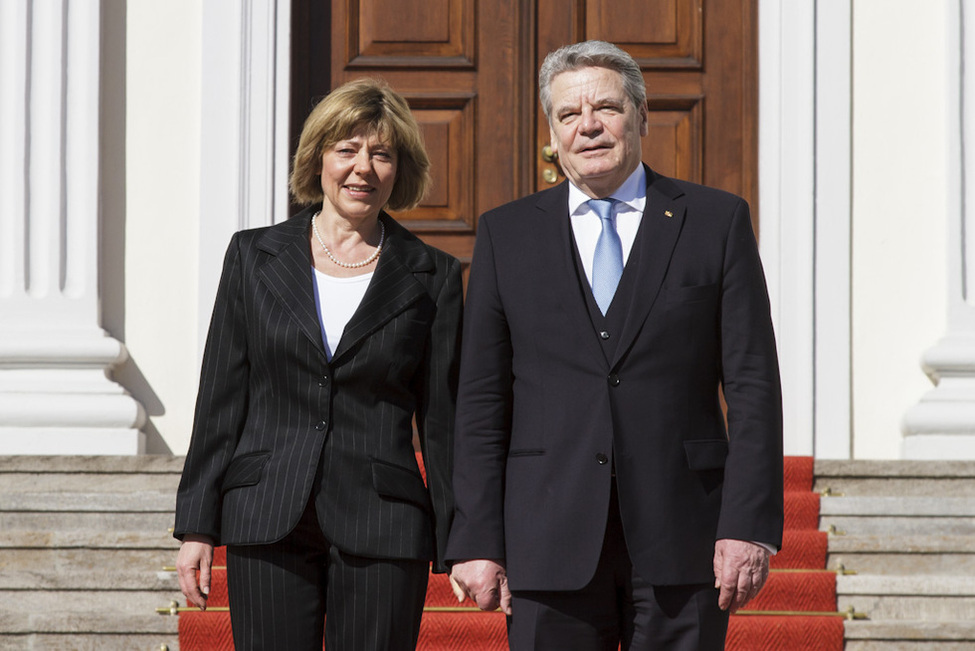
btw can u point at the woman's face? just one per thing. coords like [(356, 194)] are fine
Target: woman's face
[(358, 174)]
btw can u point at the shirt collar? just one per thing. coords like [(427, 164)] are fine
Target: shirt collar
[(633, 192)]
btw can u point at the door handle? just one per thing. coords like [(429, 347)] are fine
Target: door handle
[(548, 155)]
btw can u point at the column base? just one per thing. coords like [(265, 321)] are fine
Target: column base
[(942, 424), (938, 447), (57, 397)]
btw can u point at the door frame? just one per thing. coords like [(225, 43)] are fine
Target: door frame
[(804, 167)]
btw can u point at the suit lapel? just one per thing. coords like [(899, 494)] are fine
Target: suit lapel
[(392, 288), (288, 275), (663, 218), (558, 261)]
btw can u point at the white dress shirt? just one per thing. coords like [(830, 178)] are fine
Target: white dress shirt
[(338, 299), (632, 198)]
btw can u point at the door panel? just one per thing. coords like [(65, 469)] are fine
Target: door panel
[(406, 33), (657, 33)]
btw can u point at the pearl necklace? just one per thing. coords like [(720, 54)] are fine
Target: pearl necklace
[(349, 265)]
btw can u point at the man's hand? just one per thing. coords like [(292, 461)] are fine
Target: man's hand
[(196, 553), (740, 570), (484, 581)]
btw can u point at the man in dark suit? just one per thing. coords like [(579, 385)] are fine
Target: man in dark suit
[(594, 476)]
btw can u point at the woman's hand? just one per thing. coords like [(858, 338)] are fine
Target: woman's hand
[(195, 554)]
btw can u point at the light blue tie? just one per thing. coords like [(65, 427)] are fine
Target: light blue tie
[(607, 261)]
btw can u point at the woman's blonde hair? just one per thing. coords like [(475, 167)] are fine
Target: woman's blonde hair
[(367, 104)]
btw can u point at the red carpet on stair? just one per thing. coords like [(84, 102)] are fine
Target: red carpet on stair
[(790, 592), (805, 591), (794, 633)]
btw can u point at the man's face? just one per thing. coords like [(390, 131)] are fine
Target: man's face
[(595, 129)]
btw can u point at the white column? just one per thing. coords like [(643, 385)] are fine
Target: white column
[(56, 391), (804, 214), (834, 226), (244, 162), (942, 424)]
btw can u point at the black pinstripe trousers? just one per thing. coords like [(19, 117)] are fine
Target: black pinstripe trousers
[(280, 593)]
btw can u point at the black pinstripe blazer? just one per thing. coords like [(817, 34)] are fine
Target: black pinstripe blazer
[(272, 409)]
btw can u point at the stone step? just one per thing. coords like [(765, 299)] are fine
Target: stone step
[(78, 539), (147, 464), (13, 483), (909, 635), (885, 597), (136, 501), (92, 526), (87, 569), (900, 564), (77, 611), (886, 507), (891, 478), (921, 544), (83, 544), (934, 608), (898, 525), (935, 585), (903, 555), (97, 642)]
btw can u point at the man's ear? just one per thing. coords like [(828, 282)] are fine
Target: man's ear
[(644, 121), (553, 142)]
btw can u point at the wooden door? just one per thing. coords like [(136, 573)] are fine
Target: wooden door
[(469, 71)]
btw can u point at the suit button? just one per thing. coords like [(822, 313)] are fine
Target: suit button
[(323, 381), (603, 335), (320, 426), (614, 380), (602, 459)]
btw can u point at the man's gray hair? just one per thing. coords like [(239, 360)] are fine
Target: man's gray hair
[(599, 54)]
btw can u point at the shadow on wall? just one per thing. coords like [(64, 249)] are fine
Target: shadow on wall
[(130, 376), (112, 164), (111, 236)]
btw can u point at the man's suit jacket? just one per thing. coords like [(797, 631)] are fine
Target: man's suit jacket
[(273, 413), (544, 414)]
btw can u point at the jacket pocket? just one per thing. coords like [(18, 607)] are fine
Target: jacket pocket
[(706, 454), (692, 294), (399, 483), (525, 452), (245, 470)]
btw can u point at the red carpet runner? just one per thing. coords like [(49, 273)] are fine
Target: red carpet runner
[(774, 620)]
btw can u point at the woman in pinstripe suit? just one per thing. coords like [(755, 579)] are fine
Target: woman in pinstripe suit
[(332, 333)]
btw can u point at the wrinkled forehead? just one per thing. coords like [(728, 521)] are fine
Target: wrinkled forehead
[(586, 84)]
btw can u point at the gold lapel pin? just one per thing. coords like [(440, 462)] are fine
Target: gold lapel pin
[(667, 213)]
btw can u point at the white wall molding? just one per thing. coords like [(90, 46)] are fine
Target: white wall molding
[(244, 157), (804, 172), (833, 210), (942, 424), (56, 391)]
